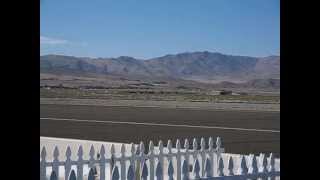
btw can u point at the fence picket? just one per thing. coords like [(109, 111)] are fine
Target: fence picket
[(80, 164), (151, 159), (102, 162), (161, 159), (253, 169), (220, 167), (91, 155), (112, 158), (55, 162), (178, 147), (243, 166), (123, 162), (43, 168), (211, 153), (67, 166), (230, 166), (203, 155)]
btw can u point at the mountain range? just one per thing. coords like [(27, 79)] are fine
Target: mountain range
[(206, 67)]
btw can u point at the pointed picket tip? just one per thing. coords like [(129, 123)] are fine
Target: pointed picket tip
[(218, 143), (145, 170), (220, 167), (169, 145), (263, 162), (151, 147), (210, 143), (112, 149), (56, 152), (130, 174), (254, 166), (243, 165), (68, 152), (160, 144), (207, 168), (142, 149), (80, 151), (195, 144), (159, 170), (132, 150), (272, 163), (123, 149), (102, 151), (178, 145), (72, 175), (170, 169), (230, 165), (53, 176), (186, 144), (202, 144), (115, 173), (43, 153), (91, 152)]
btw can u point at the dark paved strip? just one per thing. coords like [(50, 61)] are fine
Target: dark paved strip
[(233, 141)]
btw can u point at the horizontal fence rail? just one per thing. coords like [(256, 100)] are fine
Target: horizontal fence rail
[(158, 163)]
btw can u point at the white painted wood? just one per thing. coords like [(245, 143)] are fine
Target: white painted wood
[(175, 166)]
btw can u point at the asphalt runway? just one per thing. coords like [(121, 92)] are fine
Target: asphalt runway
[(241, 131)]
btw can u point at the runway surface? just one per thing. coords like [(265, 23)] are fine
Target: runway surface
[(241, 131)]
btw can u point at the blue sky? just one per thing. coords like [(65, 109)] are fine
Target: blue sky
[(152, 28)]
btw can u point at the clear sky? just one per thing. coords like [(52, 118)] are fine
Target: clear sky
[(152, 28)]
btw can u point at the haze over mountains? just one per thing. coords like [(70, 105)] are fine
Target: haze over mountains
[(206, 67)]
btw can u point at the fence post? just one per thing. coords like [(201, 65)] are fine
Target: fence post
[(80, 164), (55, 162), (68, 163), (43, 167), (102, 163)]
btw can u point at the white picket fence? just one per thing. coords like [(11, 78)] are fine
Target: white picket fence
[(159, 163)]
